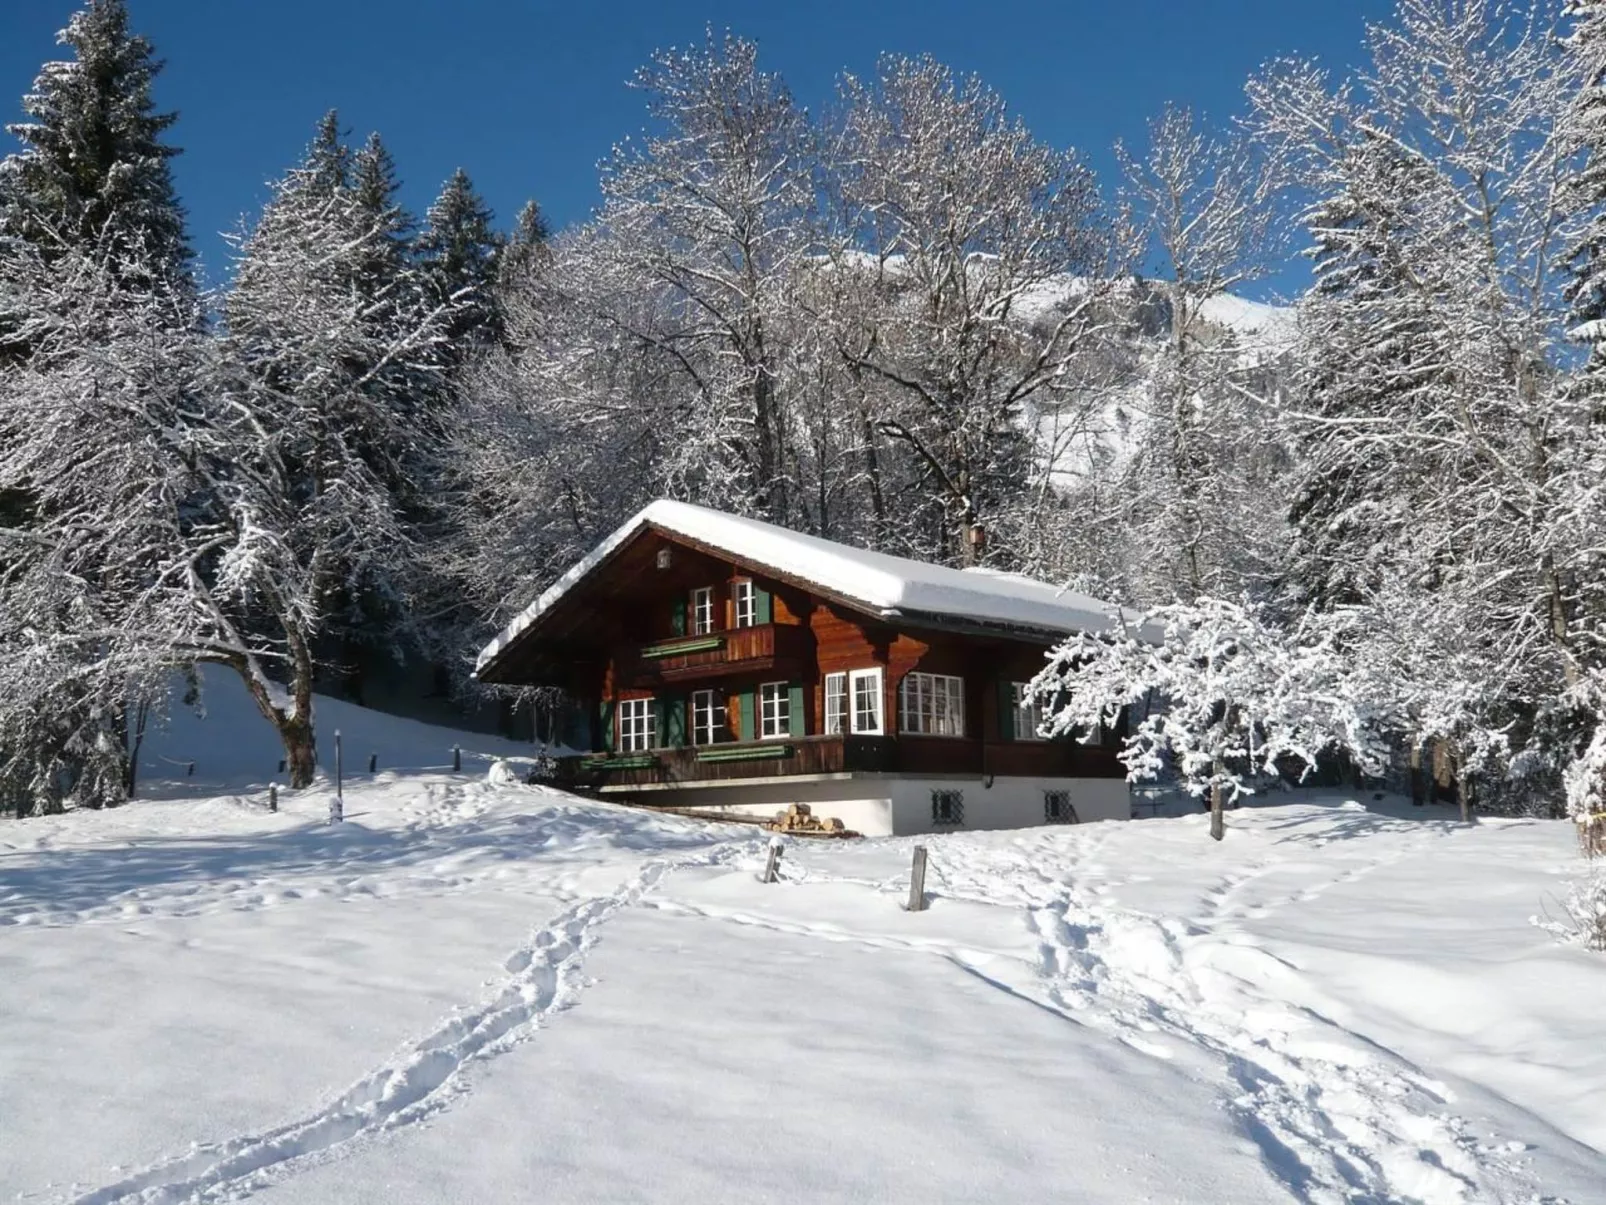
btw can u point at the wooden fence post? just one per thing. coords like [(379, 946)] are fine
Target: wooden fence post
[(373, 763), (917, 881), (772, 867), (337, 807), (273, 797), (457, 759)]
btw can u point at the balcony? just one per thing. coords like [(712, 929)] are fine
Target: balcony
[(737, 650), (841, 755)]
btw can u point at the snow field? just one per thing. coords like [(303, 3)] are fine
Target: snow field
[(477, 992)]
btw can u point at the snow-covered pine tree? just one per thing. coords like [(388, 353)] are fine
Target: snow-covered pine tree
[(459, 251), (89, 224), (94, 169), (1582, 603), (523, 249), (1432, 365), (101, 429)]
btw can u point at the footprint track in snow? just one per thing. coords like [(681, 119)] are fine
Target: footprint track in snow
[(545, 977)]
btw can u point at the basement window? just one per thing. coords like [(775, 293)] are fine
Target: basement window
[(1058, 809), (947, 807)]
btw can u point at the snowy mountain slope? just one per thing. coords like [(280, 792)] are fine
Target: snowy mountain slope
[(472, 993)]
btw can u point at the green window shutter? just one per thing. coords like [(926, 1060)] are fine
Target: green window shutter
[(606, 712), (576, 731), (672, 718), (795, 709), (677, 617), (1006, 711), (744, 716), (763, 610)]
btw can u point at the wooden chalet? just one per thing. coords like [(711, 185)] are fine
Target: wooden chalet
[(727, 664)]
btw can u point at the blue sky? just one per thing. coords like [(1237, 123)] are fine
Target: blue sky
[(529, 96)]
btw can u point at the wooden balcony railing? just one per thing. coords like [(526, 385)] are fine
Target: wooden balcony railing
[(843, 755), (733, 651)]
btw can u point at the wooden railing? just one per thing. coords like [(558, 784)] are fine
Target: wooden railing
[(844, 755), (715, 653)]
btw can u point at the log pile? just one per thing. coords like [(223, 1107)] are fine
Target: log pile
[(800, 818)]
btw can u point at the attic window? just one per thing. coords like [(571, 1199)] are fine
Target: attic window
[(665, 557), (746, 602), (702, 611)]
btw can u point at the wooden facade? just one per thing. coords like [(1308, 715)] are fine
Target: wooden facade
[(626, 642)]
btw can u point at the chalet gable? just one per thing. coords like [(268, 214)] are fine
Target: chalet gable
[(671, 548)]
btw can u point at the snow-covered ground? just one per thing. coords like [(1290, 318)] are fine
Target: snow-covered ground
[(472, 993)]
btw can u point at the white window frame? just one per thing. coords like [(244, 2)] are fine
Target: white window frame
[(836, 704), (702, 611), (774, 711), (931, 705), (1028, 713), (708, 718), (744, 604), (860, 721), (638, 725)]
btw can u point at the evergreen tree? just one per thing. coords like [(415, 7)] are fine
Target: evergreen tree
[(94, 170), (522, 250), (91, 235), (458, 250)]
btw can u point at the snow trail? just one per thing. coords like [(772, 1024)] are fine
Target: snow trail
[(1338, 1119), (544, 978)]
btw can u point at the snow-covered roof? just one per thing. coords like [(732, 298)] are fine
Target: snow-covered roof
[(884, 585)]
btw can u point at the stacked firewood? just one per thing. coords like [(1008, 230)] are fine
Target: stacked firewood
[(800, 818)]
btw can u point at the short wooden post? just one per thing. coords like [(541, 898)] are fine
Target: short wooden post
[(337, 806), (273, 797), (457, 759), (190, 773), (772, 867), (917, 881), (281, 765), (373, 763)]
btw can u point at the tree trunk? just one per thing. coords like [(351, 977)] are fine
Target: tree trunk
[(142, 712), (293, 724), (300, 750)]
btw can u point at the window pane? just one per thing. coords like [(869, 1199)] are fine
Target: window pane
[(707, 718), (638, 728), (836, 703), (775, 710), (932, 705), (865, 685), (1028, 714), (702, 612), (746, 605)]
